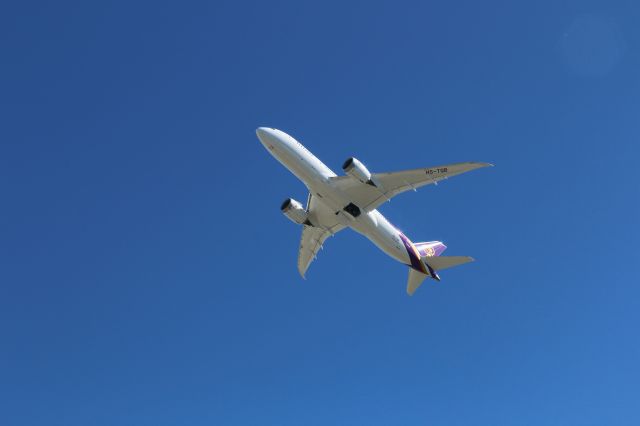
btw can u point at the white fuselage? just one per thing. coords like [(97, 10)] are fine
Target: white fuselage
[(317, 178)]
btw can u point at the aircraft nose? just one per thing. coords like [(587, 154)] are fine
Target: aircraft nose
[(264, 134), (261, 132), (270, 138)]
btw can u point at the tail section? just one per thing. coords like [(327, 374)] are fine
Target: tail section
[(430, 263), (444, 262), (415, 280), (433, 264), (430, 248), (426, 261)]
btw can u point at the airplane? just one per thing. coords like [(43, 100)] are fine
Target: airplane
[(351, 201)]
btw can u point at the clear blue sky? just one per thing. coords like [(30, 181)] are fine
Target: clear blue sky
[(147, 276)]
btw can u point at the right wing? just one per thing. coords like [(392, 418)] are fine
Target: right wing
[(369, 197), (325, 224)]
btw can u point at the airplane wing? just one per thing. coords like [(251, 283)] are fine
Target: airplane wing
[(325, 224), (369, 197)]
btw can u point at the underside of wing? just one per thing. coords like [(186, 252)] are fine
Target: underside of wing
[(369, 197), (324, 223)]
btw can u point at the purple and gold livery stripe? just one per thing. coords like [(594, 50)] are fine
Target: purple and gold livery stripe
[(431, 248), (414, 255)]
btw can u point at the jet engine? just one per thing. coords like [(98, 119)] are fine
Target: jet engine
[(295, 212), (353, 167)]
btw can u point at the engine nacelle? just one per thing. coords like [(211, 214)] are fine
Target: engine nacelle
[(353, 167), (295, 212)]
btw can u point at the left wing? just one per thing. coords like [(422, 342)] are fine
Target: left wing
[(369, 197), (325, 224)]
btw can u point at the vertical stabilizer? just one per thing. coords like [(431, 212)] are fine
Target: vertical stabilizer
[(430, 248)]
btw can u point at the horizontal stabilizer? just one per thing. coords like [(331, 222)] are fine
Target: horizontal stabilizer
[(415, 280), (443, 262)]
